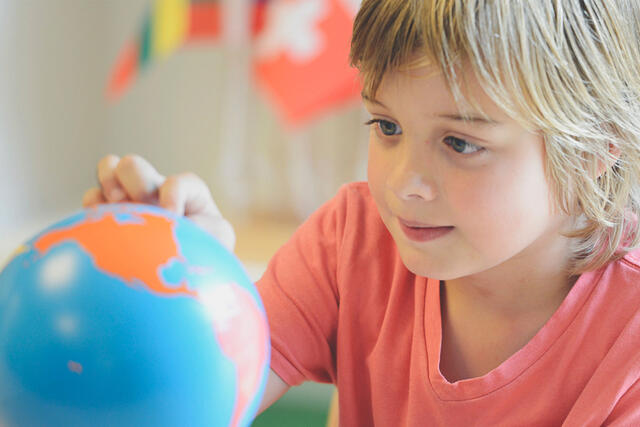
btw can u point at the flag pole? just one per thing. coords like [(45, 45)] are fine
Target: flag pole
[(231, 167), (301, 172)]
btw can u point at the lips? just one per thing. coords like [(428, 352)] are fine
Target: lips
[(421, 232), (416, 224)]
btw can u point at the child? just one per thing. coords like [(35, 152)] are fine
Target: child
[(485, 274)]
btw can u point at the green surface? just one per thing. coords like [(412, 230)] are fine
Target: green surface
[(303, 406), (283, 415)]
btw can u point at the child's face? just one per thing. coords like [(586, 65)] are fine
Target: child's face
[(484, 182)]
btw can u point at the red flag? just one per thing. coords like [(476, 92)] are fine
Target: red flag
[(302, 56)]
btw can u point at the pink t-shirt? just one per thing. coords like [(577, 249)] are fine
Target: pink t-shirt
[(344, 309)]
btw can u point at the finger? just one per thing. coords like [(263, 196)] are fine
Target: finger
[(186, 194), (139, 179), (219, 227), (93, 197), (111, 188)]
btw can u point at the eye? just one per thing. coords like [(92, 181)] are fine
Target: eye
[(386, 127), (461, 146)]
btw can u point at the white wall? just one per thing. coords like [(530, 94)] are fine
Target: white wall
[(51, 115), (55, 58), (177, 115)]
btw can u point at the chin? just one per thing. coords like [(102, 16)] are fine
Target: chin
[(421, 267)]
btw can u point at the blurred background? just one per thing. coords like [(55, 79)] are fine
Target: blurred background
[(260, 103)]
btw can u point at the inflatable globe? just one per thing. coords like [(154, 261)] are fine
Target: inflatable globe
[(127, 315)]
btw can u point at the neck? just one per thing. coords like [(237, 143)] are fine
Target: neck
[(535, 281)]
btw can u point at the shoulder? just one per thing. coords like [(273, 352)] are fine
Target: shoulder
[(348, 223), (632, 259), (613, 310), (619, 286), (352, 211), (618, 282), (356, 196), (366, 250), (626, 270), (361, 225)]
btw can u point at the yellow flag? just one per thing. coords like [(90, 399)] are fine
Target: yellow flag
[(169, 25)]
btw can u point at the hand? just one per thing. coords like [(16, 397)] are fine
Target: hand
[(133, 179)]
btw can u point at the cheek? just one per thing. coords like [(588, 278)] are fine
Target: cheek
[(376, 180), (506, 205), (373, 168), (376, 170)]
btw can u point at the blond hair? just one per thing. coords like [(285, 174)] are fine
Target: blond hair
[(566, 68)]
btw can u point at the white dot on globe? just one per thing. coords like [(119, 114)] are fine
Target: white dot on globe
[(221, 303), (66, 324), (58, 271)]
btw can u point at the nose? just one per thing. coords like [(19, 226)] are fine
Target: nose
[(412, 175), (413, 187)]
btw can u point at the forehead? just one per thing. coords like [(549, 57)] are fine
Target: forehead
[(425, 87)]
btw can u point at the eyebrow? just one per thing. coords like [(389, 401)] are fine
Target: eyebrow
[(480, 120), (372, 100), (470, 119)]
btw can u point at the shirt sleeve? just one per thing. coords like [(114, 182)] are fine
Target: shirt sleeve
[(300, 295)]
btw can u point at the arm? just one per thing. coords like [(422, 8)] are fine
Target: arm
[(300, 295), (333, 419), (274, 390)]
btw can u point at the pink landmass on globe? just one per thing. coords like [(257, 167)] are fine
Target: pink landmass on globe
[(243, 343)]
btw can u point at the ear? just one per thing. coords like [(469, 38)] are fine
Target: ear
[(615, 153)]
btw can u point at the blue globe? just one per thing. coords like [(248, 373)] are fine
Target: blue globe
[(128, 315)]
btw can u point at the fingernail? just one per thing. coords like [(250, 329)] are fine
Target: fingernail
[(116, 194)]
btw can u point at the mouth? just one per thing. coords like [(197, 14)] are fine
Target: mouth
[(421, 232)]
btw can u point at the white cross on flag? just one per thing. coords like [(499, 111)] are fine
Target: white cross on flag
[(302, 56)]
